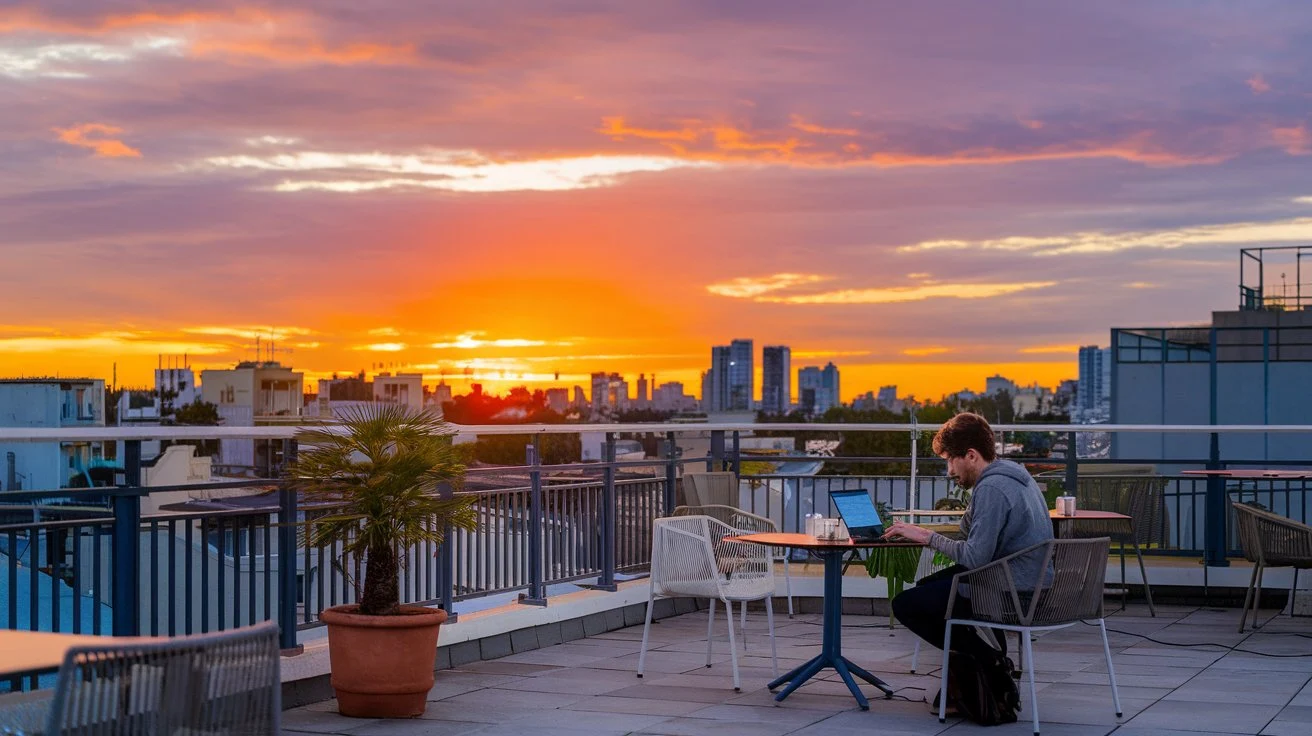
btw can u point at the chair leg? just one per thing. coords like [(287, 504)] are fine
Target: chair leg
[(743, 623), (1147, 589), (1293, 591), (733, 650), (788, 584), (1125, 588), (943, 676), (1257, 596), (1248, 598), (1029, 667), (710, 632), (915, 657), (1111, 673), (646, 629), (769, 622)]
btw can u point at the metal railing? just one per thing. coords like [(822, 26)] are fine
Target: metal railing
[(119, 571)]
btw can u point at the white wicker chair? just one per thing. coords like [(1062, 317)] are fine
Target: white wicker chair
[(747, 523), (1073, 593), (690, 557), (212, 683)]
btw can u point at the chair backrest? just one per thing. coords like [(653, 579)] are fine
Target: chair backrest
[(1142, 498), (711, 489), (1272, 539), (742, 521), (212, 683), (1072, 589), (690, 556)]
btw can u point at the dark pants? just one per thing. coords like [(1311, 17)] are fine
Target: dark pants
[(923, 610)]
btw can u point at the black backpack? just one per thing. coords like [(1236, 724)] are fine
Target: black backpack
[(982, 688)]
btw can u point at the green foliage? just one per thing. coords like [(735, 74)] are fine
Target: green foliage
[(200, 413), (510, 449), (896, 564), (381, 469)]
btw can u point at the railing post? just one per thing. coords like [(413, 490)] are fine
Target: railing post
[(1072, 464), (287, 533), (537, 594), (735, 462), (1217, 510), (446, 563), (671, 472), (715, 462), (127, 545), (607, 579)]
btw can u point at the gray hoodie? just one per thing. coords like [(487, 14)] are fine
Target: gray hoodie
[(1007, 514)]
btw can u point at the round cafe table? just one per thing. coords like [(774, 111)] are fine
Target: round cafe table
[(831, 648)]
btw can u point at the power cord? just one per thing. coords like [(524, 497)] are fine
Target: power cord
[(1234, 648)]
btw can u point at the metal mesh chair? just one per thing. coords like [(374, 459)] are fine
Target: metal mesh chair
[(1270, 540), (718, 488), (213, 683), (1071, 592), (747, 523), (691, 557), (1140, 498)]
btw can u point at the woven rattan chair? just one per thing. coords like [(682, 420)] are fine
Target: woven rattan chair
[(690, 557), (746, 523), (1270, 540), (225, 683), (711, 489), (1076, 570), (1140, 498)]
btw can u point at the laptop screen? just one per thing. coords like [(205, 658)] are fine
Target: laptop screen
[(858, 512)]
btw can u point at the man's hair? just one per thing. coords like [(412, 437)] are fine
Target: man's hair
[(963, 433)]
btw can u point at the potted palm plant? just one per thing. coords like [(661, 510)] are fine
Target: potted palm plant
[(378, 474)]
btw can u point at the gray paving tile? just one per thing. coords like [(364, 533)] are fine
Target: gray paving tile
[(636, 706), (415, 727), (701, 727), (305, 720), (1225, 717)]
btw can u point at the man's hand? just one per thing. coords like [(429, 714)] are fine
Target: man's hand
[(911, 532)]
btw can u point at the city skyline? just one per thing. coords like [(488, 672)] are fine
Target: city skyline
[(924, 196)]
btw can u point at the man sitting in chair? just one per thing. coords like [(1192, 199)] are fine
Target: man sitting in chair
[(1007, 513)]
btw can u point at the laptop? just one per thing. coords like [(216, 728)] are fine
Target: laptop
[(858, 512)]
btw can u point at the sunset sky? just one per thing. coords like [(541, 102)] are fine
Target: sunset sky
[(923, 193)]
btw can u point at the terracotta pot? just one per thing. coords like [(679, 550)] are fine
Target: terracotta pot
[(382, 666)]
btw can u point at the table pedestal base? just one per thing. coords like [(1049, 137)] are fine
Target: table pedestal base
[(831, 655)]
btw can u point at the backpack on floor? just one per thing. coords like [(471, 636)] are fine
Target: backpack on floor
[(983, 689)]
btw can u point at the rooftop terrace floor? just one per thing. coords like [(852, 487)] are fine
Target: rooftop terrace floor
[(589, 686)]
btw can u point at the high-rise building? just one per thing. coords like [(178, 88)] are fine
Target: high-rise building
[(1093, 395), (996, 384), (715, 384), (558, 400), (600, 389), (580, 397), (818, 388), (641, 402), (776, 379), (742, 376), (887, 396), (610, 392)]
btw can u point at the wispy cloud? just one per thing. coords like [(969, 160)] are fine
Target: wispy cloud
[(1258, 84), (382, 347), (385, 332), (829, 353), (96, 136), (249, 332), (108, 343), (449, 170), (474, 341), (1235, 233), (898, 294), (746, 287), (1051, 349), (925, 351)]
